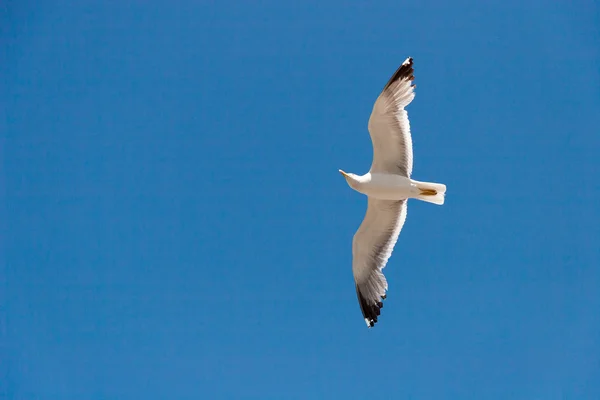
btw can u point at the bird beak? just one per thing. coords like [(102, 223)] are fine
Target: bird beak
[(343, 173)]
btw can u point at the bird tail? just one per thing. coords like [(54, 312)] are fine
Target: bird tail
[(430, 192)]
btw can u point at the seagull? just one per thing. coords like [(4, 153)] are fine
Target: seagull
[(388, 186)]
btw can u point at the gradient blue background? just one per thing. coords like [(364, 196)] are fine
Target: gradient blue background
[(175, 226)]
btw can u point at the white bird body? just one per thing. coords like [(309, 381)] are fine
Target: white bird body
[(383, 186), (388, 186), (393, 187)]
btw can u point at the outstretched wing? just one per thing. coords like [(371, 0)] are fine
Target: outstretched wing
[(371, 248), (389, 126)]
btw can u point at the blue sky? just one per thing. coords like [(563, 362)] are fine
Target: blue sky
[(175, 226)]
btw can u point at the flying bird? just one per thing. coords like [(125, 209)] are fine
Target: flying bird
[(388, 186)]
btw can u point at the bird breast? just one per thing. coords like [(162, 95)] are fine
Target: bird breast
[(388, 187)]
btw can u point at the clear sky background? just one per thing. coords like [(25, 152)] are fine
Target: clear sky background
[(175, 226)]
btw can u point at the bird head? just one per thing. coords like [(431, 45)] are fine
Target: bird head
[(350, 178)]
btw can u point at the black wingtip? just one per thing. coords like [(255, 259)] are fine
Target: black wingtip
[(369, 309), (405, 71)]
